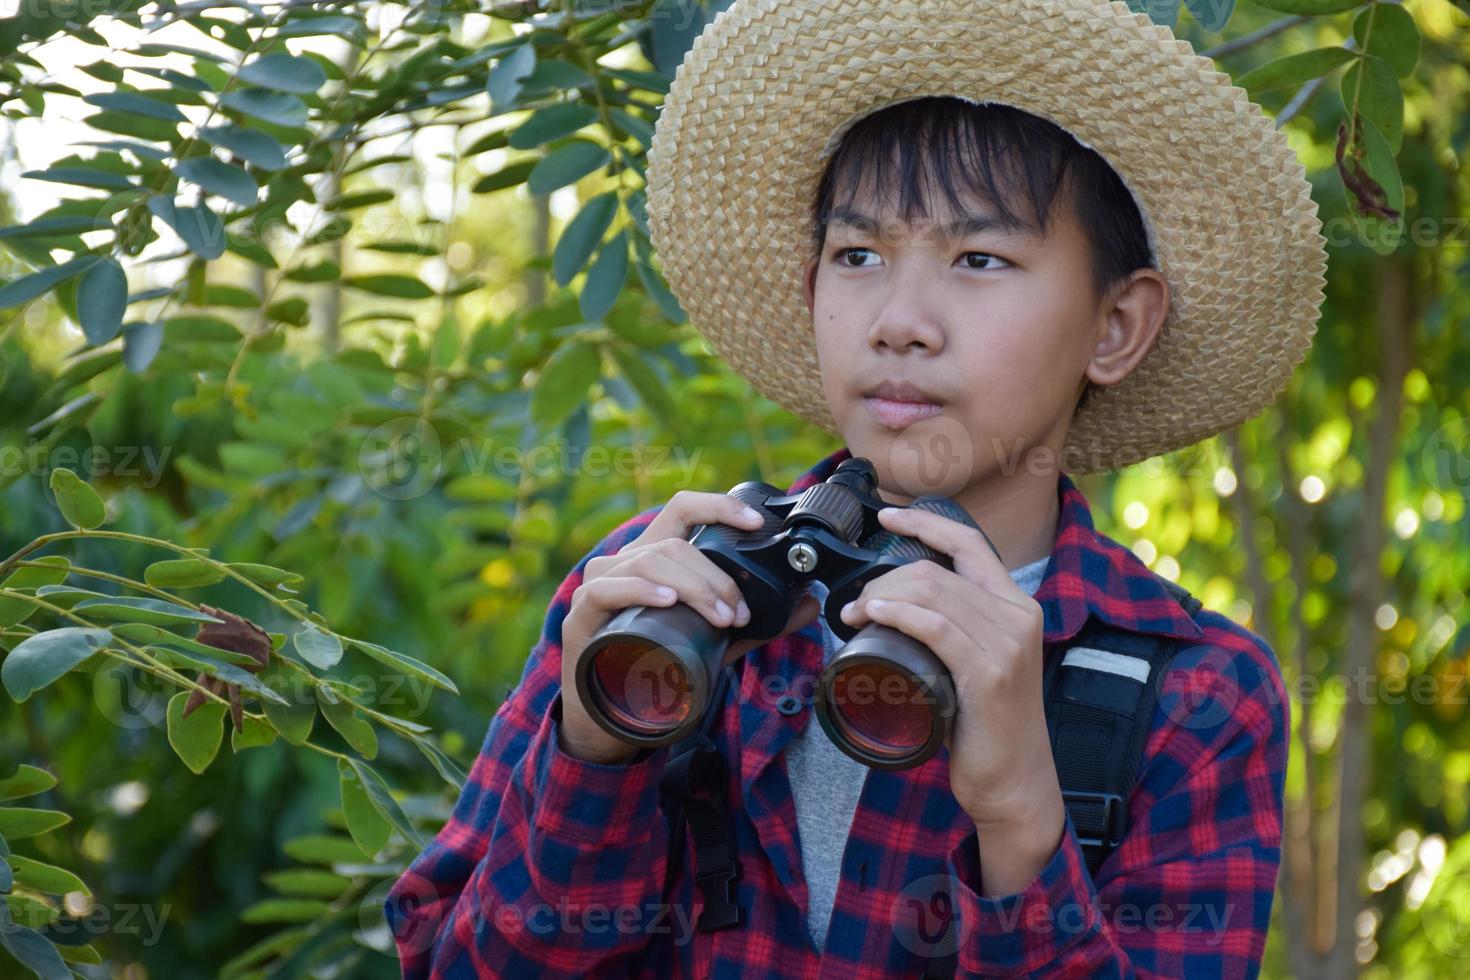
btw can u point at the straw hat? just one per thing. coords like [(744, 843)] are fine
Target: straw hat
[(763, 97)]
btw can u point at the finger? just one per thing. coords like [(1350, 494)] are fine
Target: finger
[(927, 585), (594, 599), (935, 630), (689, 508), (700, 582), (966, 546)]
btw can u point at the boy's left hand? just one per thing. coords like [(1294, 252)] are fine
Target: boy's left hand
[(989, 634)]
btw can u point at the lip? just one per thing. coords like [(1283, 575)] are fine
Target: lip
[(900, 415), (901, 391)]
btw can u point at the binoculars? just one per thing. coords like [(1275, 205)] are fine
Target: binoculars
[(885, 698)]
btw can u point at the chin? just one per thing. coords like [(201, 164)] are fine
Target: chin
[(918, 460)]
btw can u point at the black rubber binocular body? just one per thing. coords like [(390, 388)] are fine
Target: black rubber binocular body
[(885, 698)]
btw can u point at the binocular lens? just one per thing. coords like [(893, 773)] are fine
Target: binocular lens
[(641, 687), (883, 711)]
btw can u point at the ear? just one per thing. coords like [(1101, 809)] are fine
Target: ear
[(809, 284), (1127, 326)]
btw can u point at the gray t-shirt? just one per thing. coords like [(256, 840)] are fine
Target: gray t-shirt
[(826, 782)]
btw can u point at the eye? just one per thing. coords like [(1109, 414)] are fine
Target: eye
[(840, 253), (984, 255)]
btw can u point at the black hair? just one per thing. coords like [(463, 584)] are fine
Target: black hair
[(984, 148)]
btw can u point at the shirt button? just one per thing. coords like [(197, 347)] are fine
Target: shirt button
[(789, 704)]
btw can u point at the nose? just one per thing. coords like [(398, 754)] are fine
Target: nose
[(909, 316)]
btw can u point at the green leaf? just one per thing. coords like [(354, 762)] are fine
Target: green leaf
[(281, 944), (552, 122), (77, 501), (654, 285), (280, 108), (566, 165), (266, 576), (135, 104), (1311, 8), (645, 381), (307, 882), (102, 298), (253, 147), (322, 849), (199, 227), (390, 284), (27, 781), (27, 288), (1379, 99), (1294, 70), (180, 573), (83, 177), (403, 248), (41, 877), (220, 179), (635, 126), (49, 570), (1382, 235), (382, 799), (60, 226), (254, 733), (17, 822), (41, 658), (351, 725), (410, 666), (148, 633), (285, 910), (34, 952), (284, 73), (1395, 36), (345, 27), (448, 768), (369, 828), (140, 609), (195, 739), (295, 717), (141, 343), (509, 176), (319, 648), (605, 279), (503, 83), (360, 199), (582, 235), (66, 596), (564, 382)]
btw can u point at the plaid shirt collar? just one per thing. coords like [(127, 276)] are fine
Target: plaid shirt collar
[(1088, 575)]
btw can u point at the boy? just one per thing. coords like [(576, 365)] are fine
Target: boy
[(1137, 289)]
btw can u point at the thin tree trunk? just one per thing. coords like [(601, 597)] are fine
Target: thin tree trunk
[(1298, 876), (1366, 591)]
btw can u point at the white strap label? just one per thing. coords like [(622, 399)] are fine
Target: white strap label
[(1105, 660)]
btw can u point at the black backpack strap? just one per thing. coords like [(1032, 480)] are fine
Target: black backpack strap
[(1100, 699), (696, 764)]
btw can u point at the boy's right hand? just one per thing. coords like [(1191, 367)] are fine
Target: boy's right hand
[(660, 558)]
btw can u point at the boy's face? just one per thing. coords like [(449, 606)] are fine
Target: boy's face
[(996, 326)]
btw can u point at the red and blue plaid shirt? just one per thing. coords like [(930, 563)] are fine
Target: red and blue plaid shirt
[(554, 867)]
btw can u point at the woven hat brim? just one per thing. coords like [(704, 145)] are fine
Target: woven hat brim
[(763, 96)]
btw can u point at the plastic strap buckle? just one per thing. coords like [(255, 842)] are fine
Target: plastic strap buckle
[(718, 888), (1111, 816)]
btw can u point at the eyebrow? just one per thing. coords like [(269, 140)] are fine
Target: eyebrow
[(971, 224)]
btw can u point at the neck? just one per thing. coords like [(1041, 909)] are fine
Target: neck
[(1019, 511)]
